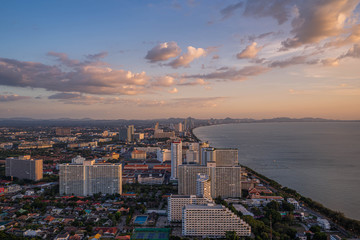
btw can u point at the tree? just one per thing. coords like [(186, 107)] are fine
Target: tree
[(231, 235), (320, 236), (287, 206), (273, 205), (315, 229)]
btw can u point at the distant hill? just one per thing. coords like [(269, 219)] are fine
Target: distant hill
[(88, 122)]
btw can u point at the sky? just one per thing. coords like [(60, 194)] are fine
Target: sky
[(120, 59)]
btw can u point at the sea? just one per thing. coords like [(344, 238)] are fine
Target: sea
[(320, 160)]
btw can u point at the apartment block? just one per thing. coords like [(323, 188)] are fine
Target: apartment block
[(176, 203), (212, 221), (224, 181), (24, 167), (88, 178)]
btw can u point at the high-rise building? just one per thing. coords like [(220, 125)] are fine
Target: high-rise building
[(130, 133), (179, 127), (123, 134), (188, 123), (127, 134), (192, 157), (201, 146), (212, 221), (176, 158), (194, 146), (203, 186), (88, 178), (24, 167), (187, 178), (207, 155), (226, 157), (225, 181)]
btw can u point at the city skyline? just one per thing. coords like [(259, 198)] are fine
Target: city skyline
[(160, 59)]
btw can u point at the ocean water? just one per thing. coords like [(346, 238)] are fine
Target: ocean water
[(320, 160)]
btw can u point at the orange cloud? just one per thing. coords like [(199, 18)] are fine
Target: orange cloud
[(84, 77), (185, 59), (250, 51), (319, 20)]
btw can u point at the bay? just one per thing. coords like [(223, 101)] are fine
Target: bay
[(320, 160)]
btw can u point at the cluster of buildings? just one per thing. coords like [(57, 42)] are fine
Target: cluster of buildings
[(199, 172), (200, 216)]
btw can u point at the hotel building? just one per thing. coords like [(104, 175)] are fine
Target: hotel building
[(176, 158), (225, 181), (88, 178), (212, 221), (224, 157), (176, 203), (24, 167)]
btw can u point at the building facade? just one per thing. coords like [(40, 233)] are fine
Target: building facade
[(163, 155), (212, 221), (224, 157), (176, 203), (224, 181), (176, 158), (24, 167), (203, 186), (89, 178)]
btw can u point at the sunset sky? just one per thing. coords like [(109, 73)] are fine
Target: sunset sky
[(159, 59)]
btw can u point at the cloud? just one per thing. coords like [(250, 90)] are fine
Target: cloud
[(277, 9), (229, 10), (164, 81), (292, 61), (174, 90), (80, 77), (192, 102), (332, 62), (82, 99), (249, 52), (253, 38), (163, 52), (233, 74), (185, 59), (353, 52), (64, 96), (318, 20), (215, 57), (64, 59), (13, 97), (352, 35), (97, 56), (198, 81), (198, 102)]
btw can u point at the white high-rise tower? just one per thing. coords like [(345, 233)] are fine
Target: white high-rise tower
[(176, 158)]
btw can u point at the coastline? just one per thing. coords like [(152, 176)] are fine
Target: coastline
[(343, 223)]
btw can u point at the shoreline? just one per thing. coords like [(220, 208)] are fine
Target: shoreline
[(337, 218)]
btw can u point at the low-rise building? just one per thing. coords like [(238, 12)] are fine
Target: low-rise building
[(138, 154), (293, 202), (151, 178)]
